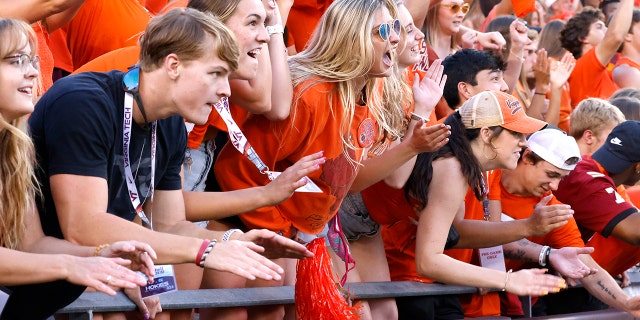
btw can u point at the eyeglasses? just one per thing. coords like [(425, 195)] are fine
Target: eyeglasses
[(454, 7), (23, 61), (385, 29)]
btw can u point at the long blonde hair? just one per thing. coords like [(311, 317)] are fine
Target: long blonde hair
[(340, 51), (17, 179)]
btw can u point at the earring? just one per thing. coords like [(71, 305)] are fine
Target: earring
[(495, 155)]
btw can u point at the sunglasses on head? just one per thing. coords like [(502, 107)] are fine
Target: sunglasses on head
[(385, 29), (455, 8)]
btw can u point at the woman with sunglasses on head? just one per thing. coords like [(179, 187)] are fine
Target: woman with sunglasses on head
[(422, 90), (338, 108), (65, 273)]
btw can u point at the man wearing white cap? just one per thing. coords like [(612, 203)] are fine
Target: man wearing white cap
[(549, 157)]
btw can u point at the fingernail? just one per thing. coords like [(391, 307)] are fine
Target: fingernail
[(147, 316)]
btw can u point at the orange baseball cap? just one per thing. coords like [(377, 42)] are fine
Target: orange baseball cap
[(495, 108)]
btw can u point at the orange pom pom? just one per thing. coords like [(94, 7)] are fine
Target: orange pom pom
[(317, 294)]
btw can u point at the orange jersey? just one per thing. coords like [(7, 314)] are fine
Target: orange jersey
[(174, 4), (93, 31), (313, 126), (590, 79)]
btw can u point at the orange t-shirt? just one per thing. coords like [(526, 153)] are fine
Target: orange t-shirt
[(174, 4), (303, 19), (313, 126), (590, 79), (102, 26), (155, 6), (119, 59), (565, 108), (625, 60), (46, 57), (61, 55)]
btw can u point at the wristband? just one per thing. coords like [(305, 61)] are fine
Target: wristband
[(546, 257), (276, 28), (418, 117), (203, 247), (227, 234), (543, 255), (99, 248), (206, 252)]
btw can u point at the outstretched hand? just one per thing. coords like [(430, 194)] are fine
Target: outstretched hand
[(148, 307), (244, 259), (276, 246), (429, 139), (566, 261), (102, 273), (294, 177), (533, 282)]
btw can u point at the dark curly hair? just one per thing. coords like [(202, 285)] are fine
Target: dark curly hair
[(577, 28)]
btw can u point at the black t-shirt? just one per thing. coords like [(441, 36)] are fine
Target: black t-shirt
[(77, 129)]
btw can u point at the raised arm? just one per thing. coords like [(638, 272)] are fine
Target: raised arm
[(617, 30)]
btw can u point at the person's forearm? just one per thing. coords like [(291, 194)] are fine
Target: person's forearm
[(483, 234), (522, 250), (26, 268), (35, 10), (202, 206), (51, 245), (603, 286), (89, 229), (281, 85), (379, 167), (552, 116)]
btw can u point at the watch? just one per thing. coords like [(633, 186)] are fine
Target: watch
[(276, 28)]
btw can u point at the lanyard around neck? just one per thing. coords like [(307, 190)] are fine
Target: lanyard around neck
[(134, 196), (237, 138)]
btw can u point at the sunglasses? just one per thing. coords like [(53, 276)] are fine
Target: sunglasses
[(385, 29), (131, 79), (455, 8), (23, 61)]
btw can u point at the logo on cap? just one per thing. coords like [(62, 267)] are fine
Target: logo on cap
[(616, 141)]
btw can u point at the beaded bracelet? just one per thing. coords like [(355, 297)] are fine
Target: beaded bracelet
[(206, 252), (227, 234), (99, 248)]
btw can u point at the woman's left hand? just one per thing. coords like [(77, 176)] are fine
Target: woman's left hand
[(139, 253), (148, 307)]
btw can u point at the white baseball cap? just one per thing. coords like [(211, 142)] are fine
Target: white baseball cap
[(555, 147)]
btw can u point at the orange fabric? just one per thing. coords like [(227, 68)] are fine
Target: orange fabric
[(46, 57), (565, 109), (628, 61), (119, 59), (103, 26), (522, 7), (613, 254), (634, 195), (155, 6), (313, 126), (174, 4), (590, 79), (303, 18), (61, 55), (492, 15)]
